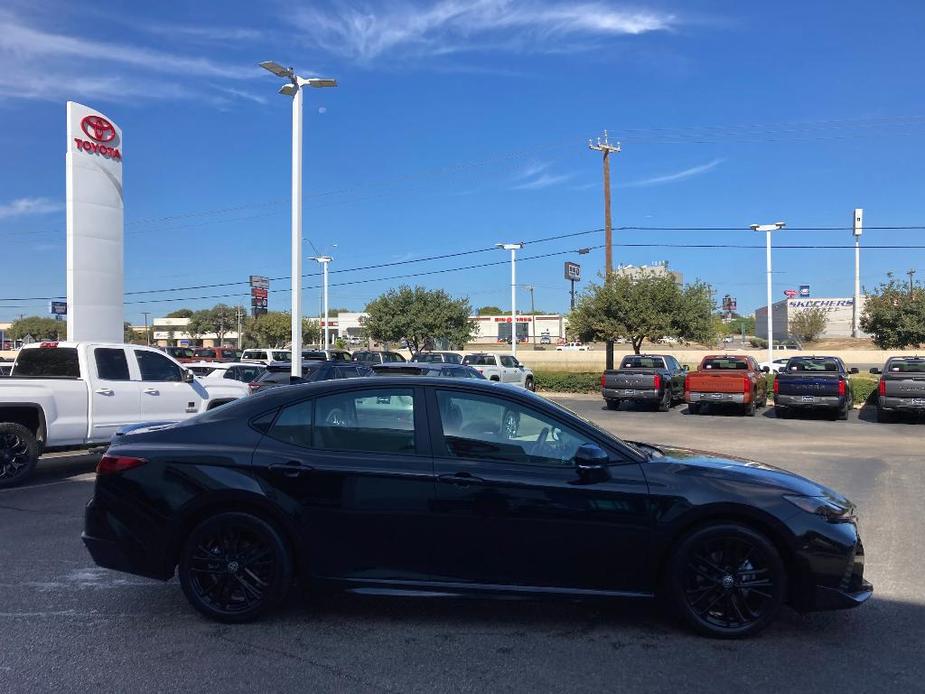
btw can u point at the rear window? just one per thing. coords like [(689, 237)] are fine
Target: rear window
[(210, 353), (799, 364), (254, 354), (643, 363), (479, 360), (895, 367), (282, 356), (726, 364), (429, 357), (52, 362)]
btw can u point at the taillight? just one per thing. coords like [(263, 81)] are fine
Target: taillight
[(110, 464), (882, 387), (687, 385), (841, 387), (746, 385), (603, 380), (657, 381), (776, 386), (253, 386)]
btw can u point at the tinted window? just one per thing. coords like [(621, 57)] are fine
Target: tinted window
[(53, 362), (203, 370), (428, 357), (155, 367), (346, 372), (392, 357), (244, 373), (452, 358), (642, 363), (254, 354), (208, 353), (482, 427), (726, 364), (508, 361), (480, 360), (808, 364), (111, 364), (380, 420), (895, 367), (282, 356), (294, 424)]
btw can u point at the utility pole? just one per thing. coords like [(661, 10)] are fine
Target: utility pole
[(605, 148), (237, 315), (856, 314), (147, 334), (323, 260), (911, 273), (513, 248)]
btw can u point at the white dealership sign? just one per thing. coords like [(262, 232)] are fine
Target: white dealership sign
[(94, 226)]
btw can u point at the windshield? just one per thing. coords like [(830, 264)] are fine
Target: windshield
[(53, 362)]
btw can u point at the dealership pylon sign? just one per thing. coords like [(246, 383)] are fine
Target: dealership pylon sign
[(95, 219)]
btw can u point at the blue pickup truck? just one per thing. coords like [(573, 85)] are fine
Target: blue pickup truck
[(811, 383)]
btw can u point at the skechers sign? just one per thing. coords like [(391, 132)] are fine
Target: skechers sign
[(99, 129)]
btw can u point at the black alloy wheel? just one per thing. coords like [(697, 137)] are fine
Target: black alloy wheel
[(727, 580), (19, 452), (235, 567)]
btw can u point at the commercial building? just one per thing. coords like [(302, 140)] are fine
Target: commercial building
[(172, 332), (659, 269), (840, 312)]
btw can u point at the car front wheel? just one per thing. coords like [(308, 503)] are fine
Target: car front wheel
[(726, 580), (19, 452), (529, 384), (234, 567)]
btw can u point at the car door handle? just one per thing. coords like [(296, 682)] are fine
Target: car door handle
[(291, 469), (461, 479), (104, 391), (151, 391)]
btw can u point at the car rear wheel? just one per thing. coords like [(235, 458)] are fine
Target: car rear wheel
[(234, 567), (693, 408), (727, 580), (665, 404), (613, 404), (750, 408), (885, 417), (844, 409), (19, 452), (781, 412)]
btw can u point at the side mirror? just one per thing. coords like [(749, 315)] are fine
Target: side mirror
[(875, 370), (853, 370), (188, 376), (766, 369), (591, 463)]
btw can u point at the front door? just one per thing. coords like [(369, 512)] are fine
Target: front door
[(114, 398), (165, 395), (512, 509), (355, 469)]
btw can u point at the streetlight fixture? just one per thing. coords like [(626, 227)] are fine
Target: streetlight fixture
[(513, 248), (294, 90), (324, 260), (768, 228)]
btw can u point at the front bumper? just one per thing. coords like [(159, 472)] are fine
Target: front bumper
[(827, 598), (816, 401), (735, 398)]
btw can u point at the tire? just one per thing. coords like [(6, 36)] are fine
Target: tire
[(529, 385), (19, 452), (693, 408), (842, 414), (750, 408), (613, 404), (226, 583), (781, 412), (665, 404), (885, 417), (726, 581)]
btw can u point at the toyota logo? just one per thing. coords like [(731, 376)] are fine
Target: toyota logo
[(98, 128)]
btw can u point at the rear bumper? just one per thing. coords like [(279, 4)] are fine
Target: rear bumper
[(893, 403), (114, 546), (630, 394), (731, 398), (817, 401)]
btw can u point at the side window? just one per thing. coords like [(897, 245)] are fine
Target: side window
[(233, 373), (483, 427), (294, 424), (111, 364), (379, 420), (508, 361), (155, 367), (249, 373)]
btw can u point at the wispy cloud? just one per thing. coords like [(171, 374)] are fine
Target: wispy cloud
[(536, 175), (677, 176), (25, 206), (205, 33), (451, 26), (40, 64)]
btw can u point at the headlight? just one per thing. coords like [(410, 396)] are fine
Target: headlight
[(825, 507)]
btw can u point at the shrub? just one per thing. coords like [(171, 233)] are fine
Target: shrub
[(758, 342), (568, 382)]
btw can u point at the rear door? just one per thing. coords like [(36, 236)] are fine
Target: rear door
[(354, 467), (115, 399)]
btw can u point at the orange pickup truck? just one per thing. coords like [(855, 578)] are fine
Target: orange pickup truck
[(723, 379)]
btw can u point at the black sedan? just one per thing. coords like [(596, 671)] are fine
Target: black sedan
[(413, 368), (391, 485), (280, 373)]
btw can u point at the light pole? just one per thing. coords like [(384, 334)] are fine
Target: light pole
[(294, 89), (513, 248), (324, 260), (530, 288), (768, 228), (857, 230)]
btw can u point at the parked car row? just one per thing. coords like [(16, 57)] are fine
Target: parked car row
[(802, 383)]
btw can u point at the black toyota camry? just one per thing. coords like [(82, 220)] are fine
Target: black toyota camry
[(456, 486)]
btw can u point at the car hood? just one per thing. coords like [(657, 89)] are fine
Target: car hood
[(719, 467)]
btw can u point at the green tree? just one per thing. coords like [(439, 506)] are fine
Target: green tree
[(646, 307), (311, 332), (220, 320), (180, 313), (420, 316), (489, 311), (809, 324), (332, 312), (894, 315), (272, 329), (39, 327)]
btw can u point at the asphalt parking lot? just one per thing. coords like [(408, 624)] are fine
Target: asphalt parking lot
[(66, 625)]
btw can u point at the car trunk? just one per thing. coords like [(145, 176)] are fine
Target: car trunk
[(904, 385), (732, 381), (806, 384), (631, 379)]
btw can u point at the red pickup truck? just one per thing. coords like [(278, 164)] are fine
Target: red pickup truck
[(727, 380)]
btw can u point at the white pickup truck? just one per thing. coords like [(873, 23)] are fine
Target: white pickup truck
[(74, 394), (501, 367)]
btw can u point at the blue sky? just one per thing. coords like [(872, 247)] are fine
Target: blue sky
[(458, 124)]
